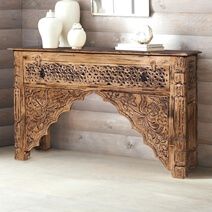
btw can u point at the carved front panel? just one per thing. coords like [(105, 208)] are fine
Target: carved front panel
[(148, 114), (43, 107), (192, 74), (156, 93), (121, 76)]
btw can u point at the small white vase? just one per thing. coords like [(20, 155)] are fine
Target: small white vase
[(77, 36), (68, 11), (50, 29)]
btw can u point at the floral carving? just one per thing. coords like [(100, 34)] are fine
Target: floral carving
[(156, 93), (43, 107), (148, 114)]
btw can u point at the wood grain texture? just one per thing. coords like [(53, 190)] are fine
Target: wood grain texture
[(10, 5), (38, 4), (173, 19), (185, 6), (103, 143), (10, 19), (205, 155), (6, 59), (204, 93), (50, 4), (6, 115), (31, 38), (205, 113), (101, 122), (10, 38), (161, 23), (166, 6), (177, 42), (204, 131), (94, 103), (205, 70), (6, 97), (174, 24), (110, 40), (6, 78), (30, 18), (45, 142), (144, 88), (6, 135)]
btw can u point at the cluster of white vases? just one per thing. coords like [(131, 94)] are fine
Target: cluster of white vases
[(62, 27)]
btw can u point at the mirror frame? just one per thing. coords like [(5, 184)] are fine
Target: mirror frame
[(119, 15)]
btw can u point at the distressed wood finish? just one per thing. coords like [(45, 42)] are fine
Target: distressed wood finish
[(155, 91), (45, 142)]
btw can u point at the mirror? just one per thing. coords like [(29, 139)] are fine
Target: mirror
[(120, 7)]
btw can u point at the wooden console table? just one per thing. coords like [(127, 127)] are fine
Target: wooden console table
[(156, 91)]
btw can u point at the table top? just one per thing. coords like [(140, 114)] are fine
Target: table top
[(88, 50)]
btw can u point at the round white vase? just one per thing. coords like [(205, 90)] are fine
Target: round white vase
[(77, 36), (68, 11), (50, 29)]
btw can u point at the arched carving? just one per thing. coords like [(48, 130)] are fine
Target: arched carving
[(148, 115), (155, 91), (43, 108)]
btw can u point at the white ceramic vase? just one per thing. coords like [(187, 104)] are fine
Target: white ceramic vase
[(68, 11), (77, 36), (50, 29)]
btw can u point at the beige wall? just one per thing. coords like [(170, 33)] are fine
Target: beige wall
[(96, 126), (10, 36)]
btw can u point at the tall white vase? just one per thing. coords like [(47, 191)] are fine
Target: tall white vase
[(50, 29), (68, 11)]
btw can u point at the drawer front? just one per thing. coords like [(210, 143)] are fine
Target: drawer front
[(93, 75)]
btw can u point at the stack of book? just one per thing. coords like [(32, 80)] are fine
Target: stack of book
[(139, 47)]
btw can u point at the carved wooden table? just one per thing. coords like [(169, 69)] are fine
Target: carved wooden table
[(156, 91)]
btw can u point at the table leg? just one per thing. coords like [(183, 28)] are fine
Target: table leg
[(45, 142)]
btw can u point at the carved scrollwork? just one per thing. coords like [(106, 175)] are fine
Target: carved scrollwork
[(43, 107), (105, 75), (156, 92), (17, 116), (180, 65), (192, 75), (148, 115)]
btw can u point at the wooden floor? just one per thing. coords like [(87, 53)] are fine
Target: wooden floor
[(65, 181)]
